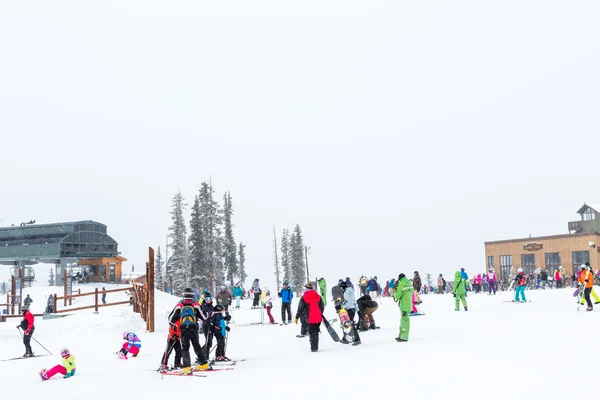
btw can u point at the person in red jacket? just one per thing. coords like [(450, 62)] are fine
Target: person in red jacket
[(173, 343), (311, 307), (27, 326)]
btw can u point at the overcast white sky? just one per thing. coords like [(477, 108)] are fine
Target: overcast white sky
[(400, 135)]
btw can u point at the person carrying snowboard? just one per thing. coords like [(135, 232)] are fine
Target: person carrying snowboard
[(403, 295), (351, 306), (323, 290), (459, 291), (188, 313), (311, 309), (286, 294), (28, 328), (67, 369), (132, 345), (586, 280), (173, 343)]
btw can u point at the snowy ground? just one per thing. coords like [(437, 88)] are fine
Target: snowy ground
[(495, 350)]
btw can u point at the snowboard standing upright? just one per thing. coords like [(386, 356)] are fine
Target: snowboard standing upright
[(347, 325)]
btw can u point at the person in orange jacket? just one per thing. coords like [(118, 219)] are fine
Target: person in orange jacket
[(586, 280), (173, 343)]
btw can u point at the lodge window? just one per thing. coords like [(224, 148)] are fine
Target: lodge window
[(580, 257), (589, 215), (528, 263), (506, 266), (490, 262), (552, 262)]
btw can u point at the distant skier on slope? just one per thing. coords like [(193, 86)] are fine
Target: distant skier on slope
[(311, 308), (520, 283), (403, 295), (459, 291), (269, 306), (224, 299), (257, 292)]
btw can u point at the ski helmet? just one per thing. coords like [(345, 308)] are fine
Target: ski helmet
[(207, 296), (64, 352), (285, 283), (188, 293), (520, 270), (223, 288), (125, 334)]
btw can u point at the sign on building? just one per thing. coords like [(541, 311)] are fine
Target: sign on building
[(533, 246)]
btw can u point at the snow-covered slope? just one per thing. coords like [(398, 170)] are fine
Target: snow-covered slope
[(496, 350)]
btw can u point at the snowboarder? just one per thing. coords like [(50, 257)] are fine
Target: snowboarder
[(351, 306), (311, 308), (27, 302), (417, 284), (257, 292), (586, 280), (366, 307), (491, 280), (173, 343), (238, 292), (224, 299), (67, 368), (28, 328), (520, 283), (459, 291), (220, 330), (269, 306), (323, 290), (403, 295), (132, 345), (286, 295), (188, 313), (103, 295)]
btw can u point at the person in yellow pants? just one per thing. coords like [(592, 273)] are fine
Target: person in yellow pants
[(594, 295)]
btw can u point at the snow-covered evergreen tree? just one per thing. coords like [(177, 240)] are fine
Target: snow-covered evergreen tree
[(179, 260), (297, 266), (276, 259), (242, 258), (198, 249), (429, 279), (211, 217), (285, 256), (159, 277), (51, 277), (230, 248)]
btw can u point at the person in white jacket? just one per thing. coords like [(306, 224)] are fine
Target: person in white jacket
[(269, 306), (351, 306)]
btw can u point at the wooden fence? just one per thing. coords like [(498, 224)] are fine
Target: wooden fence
[(96, 305)]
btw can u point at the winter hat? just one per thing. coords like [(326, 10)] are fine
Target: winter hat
[(520, 270), (401, 276), (309, 286), (285, 283), (124, 335), (64, 352), (344, 285), (587, 263), (219, 308)]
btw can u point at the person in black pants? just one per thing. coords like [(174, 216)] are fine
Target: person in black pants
[(28, 329), (286, 294), (103, 295), (310, 310), (188, 313), (257, 292)]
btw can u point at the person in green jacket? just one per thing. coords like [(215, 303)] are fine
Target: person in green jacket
[(403, 295), (459, 291), (323, 290)]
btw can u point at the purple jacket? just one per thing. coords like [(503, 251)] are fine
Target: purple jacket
[(490, 277)]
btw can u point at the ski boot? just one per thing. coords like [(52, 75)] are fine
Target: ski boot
[(27, 355), (186, 371), (466, 309), (589, 309), (356, 343), (202, 367), (402, 340), (301, 336), (43, 374)]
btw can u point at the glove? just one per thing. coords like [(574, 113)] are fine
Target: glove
[(587, 280), (296, 321), (227, 328), (454, 294), (337, 307), (67, 376)]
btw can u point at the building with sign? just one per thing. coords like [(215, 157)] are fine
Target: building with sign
[(569, 250)]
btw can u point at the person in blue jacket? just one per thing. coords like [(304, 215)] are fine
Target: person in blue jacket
[(286, 295), (238, 292)]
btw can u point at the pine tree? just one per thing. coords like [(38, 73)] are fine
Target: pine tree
[(51, 277), (429, 279), (211, 217), (242, 258), (230, 249), (198, 249), (179, 260), (159, 277), (276, 259), (297, 266), (285, 256)]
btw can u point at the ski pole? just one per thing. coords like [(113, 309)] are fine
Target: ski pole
[(41, 345), (20, 333)]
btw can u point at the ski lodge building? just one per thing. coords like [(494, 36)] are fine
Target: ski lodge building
[(581, 244)]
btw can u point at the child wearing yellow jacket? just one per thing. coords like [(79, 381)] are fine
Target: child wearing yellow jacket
[(67, 368)]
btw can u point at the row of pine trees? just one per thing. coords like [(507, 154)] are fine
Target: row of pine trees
[(209, 251), (292, 258)]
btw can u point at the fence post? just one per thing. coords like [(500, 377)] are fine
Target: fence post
[(95, 299), (55, 303), (65, 286), (150, 280)]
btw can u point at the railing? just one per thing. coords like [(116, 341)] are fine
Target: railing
[(575, 226), (96, 305)]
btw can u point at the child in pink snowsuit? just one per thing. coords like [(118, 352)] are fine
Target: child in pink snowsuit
[(67, 368), (132, 345), (414, 310)]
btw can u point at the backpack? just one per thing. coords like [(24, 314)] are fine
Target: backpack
[(188, 316)]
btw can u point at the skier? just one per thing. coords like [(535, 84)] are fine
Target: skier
[(269, 306), (491, 280), (67, 368), (132, 345), (286, 295), (544, 279), (403, 295), (311, 308), (366, 307), (103, 295), (586, 281), (417, 286), (372, 288), (208, 309), (593, 292), (173, 343), (459, 291), (50, 305), (28, 328), (224, 299), (257, 293), (520, 282), (220, 330), (238, 292), (351, 307), (27, 301), (323, 290), (188, 313)]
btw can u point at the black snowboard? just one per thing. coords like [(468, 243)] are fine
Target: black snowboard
[(330, 329), (348, 328), (337, 293)]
